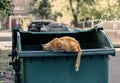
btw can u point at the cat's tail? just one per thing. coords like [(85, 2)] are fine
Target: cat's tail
[(78, 59)]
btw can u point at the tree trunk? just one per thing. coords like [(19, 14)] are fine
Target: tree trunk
[(74, 13), (75, 21), (46, 16)]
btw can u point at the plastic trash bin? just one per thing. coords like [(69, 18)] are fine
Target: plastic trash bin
[(37, 66)]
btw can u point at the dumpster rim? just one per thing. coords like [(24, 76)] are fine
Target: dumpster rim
[(90, 52)]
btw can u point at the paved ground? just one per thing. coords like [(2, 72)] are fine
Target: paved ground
[(114, 62), (114, 68), (5, 39)]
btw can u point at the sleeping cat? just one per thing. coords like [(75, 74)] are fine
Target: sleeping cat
[(67, 44)]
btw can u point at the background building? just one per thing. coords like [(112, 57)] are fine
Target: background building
[(21, 13)]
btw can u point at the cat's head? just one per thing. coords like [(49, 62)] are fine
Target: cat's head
[(54, 45), (46, 46)]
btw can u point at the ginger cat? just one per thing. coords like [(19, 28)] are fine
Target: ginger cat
[(67, 44)]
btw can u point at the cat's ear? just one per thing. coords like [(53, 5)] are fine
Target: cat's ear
[(42, 45)]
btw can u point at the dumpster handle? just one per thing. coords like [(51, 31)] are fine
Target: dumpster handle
[(19, 41), (98, 28)]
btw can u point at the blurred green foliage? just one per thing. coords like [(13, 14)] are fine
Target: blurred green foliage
[(76, 10), (6, 8)]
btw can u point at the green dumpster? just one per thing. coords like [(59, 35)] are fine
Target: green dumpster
[(37, 66)]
